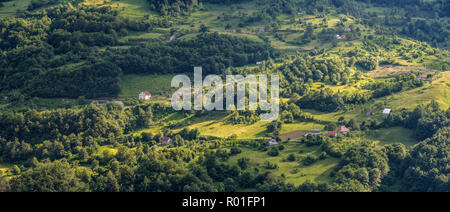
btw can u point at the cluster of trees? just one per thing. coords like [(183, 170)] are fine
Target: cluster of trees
[(53, 53), (177, 7), (361, 168), (402, 19), (212, 51), (396, 84), (35, 4), (247, 117), (425, 120), (426, 166), (322, 100), (55, 133), (56, 53), (291, 112), (303, 70), (328, 101), (140, 170)]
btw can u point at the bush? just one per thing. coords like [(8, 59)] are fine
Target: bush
[(235, 151), (243, 163), (323, 156), (270, 165), (273, 152), (291, 157), (310, 159)]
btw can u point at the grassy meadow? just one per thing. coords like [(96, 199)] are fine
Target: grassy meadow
[(295, 172), (438, 89), (132, 85)]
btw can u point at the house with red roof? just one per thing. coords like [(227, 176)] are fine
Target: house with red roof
[(145, 95), (342, 130), (332, 133)]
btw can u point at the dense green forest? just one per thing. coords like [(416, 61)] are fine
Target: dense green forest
[(63, 44), (71, 72), (361, 168)]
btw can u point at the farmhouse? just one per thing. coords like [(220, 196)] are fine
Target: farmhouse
[(166, 141), (259, 63), (387, 112), (272, 142), (261, 30), (5, 98), (348, 30), (145, 95), (342, 130), (332, 133)]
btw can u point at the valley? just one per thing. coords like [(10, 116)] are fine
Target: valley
[(72, 72)]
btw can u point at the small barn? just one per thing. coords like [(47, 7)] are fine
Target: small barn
[(387, 112), (272, 142), (166, 141), (315, 132)]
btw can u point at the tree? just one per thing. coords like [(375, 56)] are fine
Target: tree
[(243, 163), (204, 28), (273, 152), (58, 176)]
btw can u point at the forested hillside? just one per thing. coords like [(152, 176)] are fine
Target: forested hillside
[(71, 118)]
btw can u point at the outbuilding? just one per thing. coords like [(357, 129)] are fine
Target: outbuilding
[(387, 112)]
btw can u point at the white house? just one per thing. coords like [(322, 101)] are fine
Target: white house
[(145, 95), (272, 142), (259, 63), (387, 112)]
